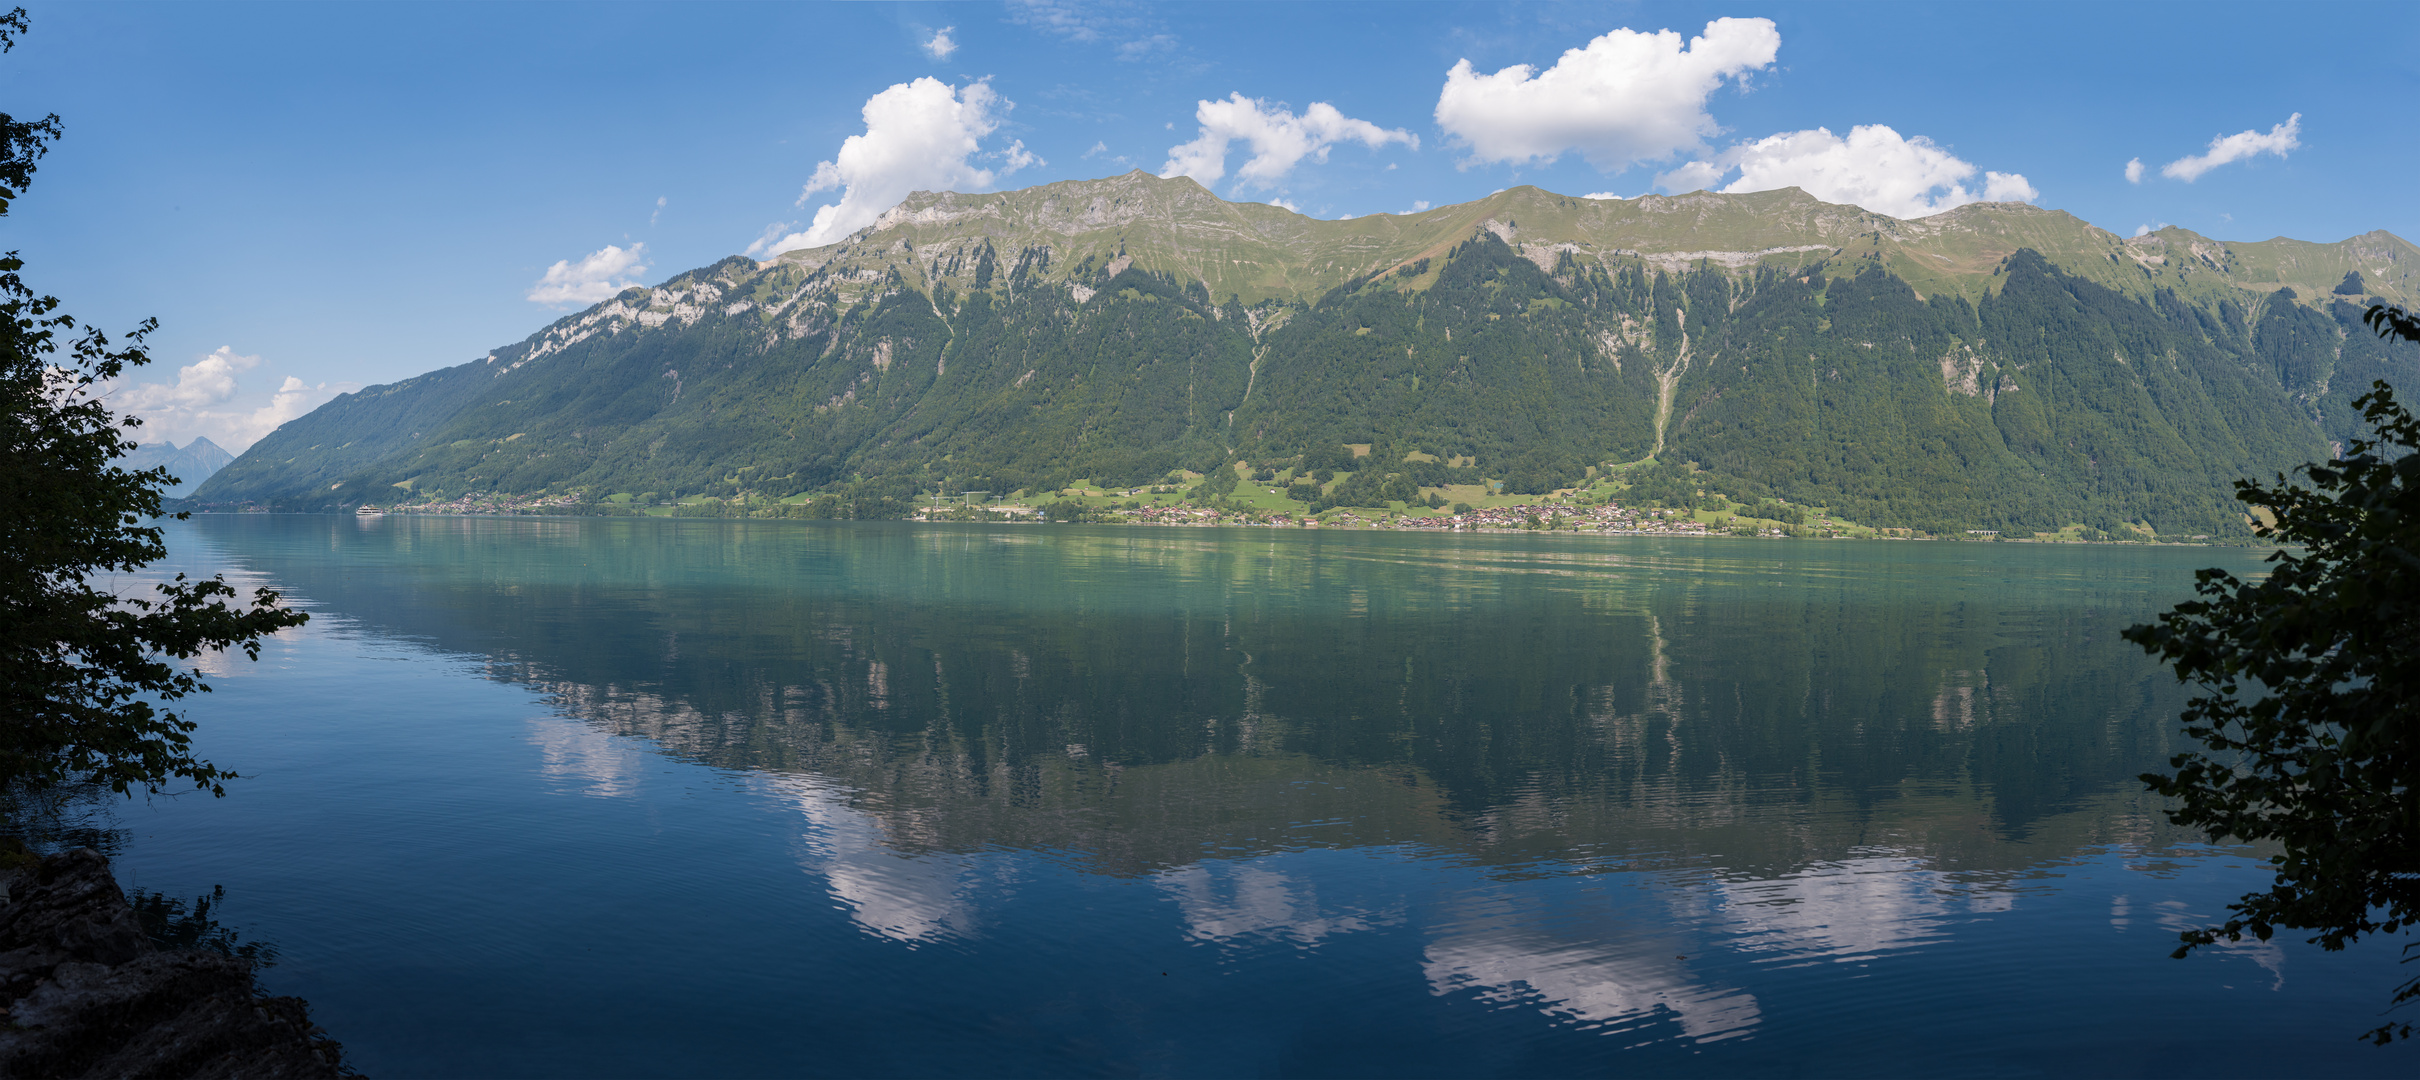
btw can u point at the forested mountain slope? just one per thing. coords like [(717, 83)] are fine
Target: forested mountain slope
[(1999, 365)]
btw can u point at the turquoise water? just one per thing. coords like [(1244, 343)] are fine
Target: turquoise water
[(654, 797)]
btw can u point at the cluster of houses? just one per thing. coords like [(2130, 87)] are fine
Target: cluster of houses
[(1178, 515), (494, 504), (1606, 518)]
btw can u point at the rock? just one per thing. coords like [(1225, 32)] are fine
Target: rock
[(71, 903), (88, 995)]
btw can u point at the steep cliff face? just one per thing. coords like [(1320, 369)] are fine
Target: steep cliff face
[(89, 995), (1998, 365)]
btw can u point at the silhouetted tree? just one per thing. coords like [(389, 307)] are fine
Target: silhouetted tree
[(2309, 710), (86, 673)]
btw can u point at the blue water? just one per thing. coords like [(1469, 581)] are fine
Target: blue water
[(652, 797)]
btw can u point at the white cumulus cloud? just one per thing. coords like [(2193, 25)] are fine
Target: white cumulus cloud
[(594, 279), (2231, 148), (1278, 138), (941, 45), (207, 400), (203, 383), (2134, 171), (1625, 98), (1017, 157), (1874, 167), (919, 136)]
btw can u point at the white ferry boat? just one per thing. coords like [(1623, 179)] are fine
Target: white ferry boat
[(368, 511)]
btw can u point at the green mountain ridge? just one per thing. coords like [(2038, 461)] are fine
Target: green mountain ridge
[(1998, 365)]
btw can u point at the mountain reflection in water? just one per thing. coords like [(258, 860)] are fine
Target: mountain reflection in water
[(1661, 775)]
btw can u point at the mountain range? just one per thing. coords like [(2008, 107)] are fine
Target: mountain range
[(1999, 365), (196, 462)]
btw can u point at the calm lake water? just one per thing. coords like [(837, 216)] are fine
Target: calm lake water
[(656, 797)]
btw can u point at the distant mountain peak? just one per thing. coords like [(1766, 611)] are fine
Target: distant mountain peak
[(191, 464), (207, 454)]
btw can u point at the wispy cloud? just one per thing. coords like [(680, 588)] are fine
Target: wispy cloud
[(940, 45), (1145, 46), (1130, 28), (2226, 149)]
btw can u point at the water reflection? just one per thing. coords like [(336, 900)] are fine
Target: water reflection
[(595, 763), (1817, 754), (1015, 687), (1602, 972), (907, 898), (1853, 910), (1228, 902)]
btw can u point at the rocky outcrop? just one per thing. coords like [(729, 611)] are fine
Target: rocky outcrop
[(87, 994)]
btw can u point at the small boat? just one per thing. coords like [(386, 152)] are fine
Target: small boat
[(368, 511)]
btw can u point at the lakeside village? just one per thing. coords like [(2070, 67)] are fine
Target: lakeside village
[(1272, 500), (1610, 518), (1551, 513)]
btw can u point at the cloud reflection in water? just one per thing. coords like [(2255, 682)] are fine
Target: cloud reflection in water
[(1226, 902), (1513, 952), (911, 899)]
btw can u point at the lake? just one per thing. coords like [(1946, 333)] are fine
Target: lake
[(643, 797)]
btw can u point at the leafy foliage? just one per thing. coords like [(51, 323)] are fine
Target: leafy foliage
[(2309, 704), (84, 671), (22, 142)]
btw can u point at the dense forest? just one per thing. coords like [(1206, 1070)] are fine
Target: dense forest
[(1825, 378)]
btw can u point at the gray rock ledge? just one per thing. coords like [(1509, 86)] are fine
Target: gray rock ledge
[(87, 994)]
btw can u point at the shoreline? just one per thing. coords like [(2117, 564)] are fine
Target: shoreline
[(89, 993), (1307, 525)]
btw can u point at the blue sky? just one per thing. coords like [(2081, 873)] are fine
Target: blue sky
[(317, 197)]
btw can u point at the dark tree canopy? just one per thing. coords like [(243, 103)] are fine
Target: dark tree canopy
[(22, 142), (86, 673), (2309, 709)]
